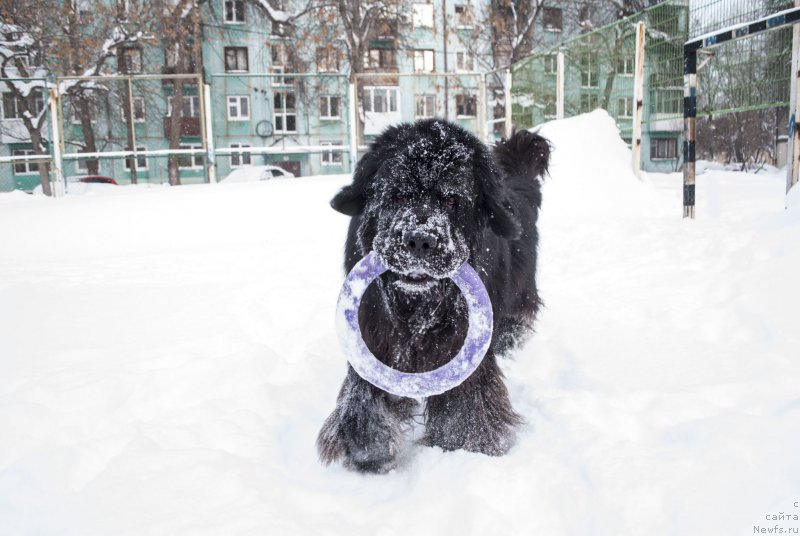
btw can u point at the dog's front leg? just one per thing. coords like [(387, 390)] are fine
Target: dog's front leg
[(367, 429), (475, 416)]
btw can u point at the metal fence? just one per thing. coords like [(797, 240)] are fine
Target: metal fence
[(597, 70)]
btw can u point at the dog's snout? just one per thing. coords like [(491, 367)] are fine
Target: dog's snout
[(419, 242)]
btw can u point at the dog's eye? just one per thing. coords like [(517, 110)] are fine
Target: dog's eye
[(449, 203)]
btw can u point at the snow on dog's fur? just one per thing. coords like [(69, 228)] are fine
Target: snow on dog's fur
[(427, 197)]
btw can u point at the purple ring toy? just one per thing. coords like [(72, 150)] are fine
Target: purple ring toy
[(413, 384)]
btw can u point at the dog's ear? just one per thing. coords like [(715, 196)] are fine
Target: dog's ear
[(493, 199), (351, 199)]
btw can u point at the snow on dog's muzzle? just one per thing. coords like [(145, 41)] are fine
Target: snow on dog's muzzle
[(413, 384)]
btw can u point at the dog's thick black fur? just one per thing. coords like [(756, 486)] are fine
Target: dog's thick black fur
[(427, 197)]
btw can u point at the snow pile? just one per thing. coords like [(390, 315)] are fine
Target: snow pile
[(167, 358)]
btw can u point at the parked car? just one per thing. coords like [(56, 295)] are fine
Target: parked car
[(257, 173)]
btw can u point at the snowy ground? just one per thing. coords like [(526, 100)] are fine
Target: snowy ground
[(164, 371)]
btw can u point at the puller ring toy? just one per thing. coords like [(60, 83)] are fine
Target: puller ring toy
[(413, 384)]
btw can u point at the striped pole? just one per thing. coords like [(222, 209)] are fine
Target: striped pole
[(689, 128)]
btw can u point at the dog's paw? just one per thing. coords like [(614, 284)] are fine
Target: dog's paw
[(364, 441), (485, 438)]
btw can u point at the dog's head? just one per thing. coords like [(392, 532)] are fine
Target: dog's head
[(424, 194)]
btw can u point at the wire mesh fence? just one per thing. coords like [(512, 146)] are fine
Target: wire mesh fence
[(710, 15), (596, 70)]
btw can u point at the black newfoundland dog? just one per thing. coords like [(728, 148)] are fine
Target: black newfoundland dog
[(428, 196)]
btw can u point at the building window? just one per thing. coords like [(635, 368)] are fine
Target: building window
[(625, 66), (285, 116), (191, 161), (465, 62), (280, 29), (82, 164), (663, 148), (23, 167), (589, 102), (14, 107), (76, 118), (625, 107), (327, 60), (130, 60), (424, 106), (549, 107), (551, 64), (463, 16), (240, 158), (666, 101), (191, 106), (422, 16), (141, 161), (234, 11), (329, 107), (380, 99), (552, 19), (589, 74), (238, 108), (138, 110), (379, 58), (331, 158), (423, 61), (280, 62), (466, 105), (236, 60)]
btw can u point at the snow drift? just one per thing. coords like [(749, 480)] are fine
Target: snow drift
[(164, 371)]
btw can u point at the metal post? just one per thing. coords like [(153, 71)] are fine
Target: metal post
[(509, 123), (211, 161), (55, 141), (638, 100), (351, 97), (793, 148), (689, 129), (483, 131), (560, 85)]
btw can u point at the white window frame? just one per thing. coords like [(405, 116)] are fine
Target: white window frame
[(38, 96), (241, 158), (428, 100), (422, 15), (284, 113), (463, 19), (82, 164), (31, 168), (588, 65), (369, 99), (234, 104), (237, 50), (465, 62), (628, 65), (136, 160), (194, 105), (135, 57), (551, 64), (75, 120), (626, 110), (234, 11), (193, 158), (666, 141), (424, 61), (467, 96), (327, 100), (136, 101), (327, 158)]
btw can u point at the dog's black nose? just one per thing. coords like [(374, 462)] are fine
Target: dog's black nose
[(419, 242)]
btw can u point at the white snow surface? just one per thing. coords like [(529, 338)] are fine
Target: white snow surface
[(168, 356)]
